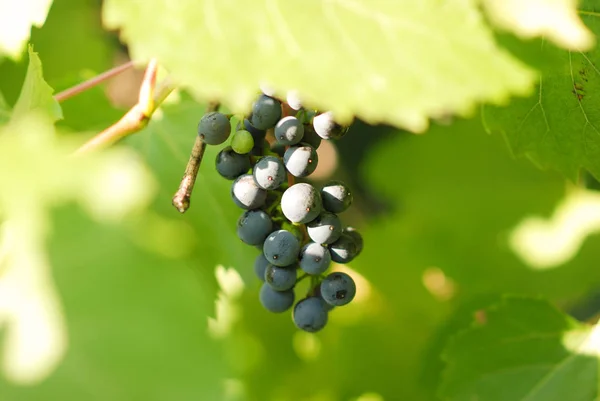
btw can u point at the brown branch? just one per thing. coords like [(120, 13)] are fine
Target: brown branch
[(137, 117), (181, 199), (90, 83)]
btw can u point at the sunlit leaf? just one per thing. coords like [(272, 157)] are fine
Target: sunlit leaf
[(398, 62), (523, 349)]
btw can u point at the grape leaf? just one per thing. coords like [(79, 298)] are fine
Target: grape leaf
[(557, 21), (396, 62), (36, 94), (4, 110), (36, 173), (524, 349), (16, 22), (558, 127)]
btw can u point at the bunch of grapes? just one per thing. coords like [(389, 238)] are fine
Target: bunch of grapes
[(294, 225)]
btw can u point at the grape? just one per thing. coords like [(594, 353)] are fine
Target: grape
[(246, 194), (269, 173), (310, 136), (325, 229), (289, 131), (214, 128), (230, 164), (281, 248), (336, 197), (294, 229), (343, 250), (300, 160), (338, 289), (310, 314), (266, 111), (276, 301), (301, 203), (293, 100), (278, 149), (242, 142), (257, 134), (260, 265), (254, 226), (317, 293), (327, 128), (314, 258), (281, 278), (355, 235)]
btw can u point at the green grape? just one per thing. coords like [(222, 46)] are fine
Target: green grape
[(242, 142)]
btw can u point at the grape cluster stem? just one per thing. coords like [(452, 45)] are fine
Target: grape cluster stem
[(181, 199)]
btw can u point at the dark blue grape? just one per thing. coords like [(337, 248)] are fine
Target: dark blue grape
[(254, 226), (355, 235), (281, 278), (338, 289), (336, 197), (344, 249), (289, 131), (266, 111), (246, 194), (260, 265), (310, 314), (310, 136), (269, 173), (301, 160), (214, 128), (325, 229), (230, 164), (281, 248), (301, 203), (314, 258), (276, 301)]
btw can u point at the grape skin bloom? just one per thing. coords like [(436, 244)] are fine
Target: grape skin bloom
[(301, 160), (281, 278), (281, 248), (269, 173), (343, 250), (314, 258), (230, 164), (276, 301), (260, 265), (214, 128), (254, 226), (289, 131), (325, 229), (338, 289), (336, 197), (246, 194), (301, 203), (266, 111), (310, 314)]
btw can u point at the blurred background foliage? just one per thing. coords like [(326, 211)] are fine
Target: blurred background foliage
[(162, 306)]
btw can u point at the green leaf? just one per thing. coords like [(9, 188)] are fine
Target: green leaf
[(558, 127), (38, 172), (16, 22), (523, 349), (4, 110), (396, 62), (556, 21), (36, 94)]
